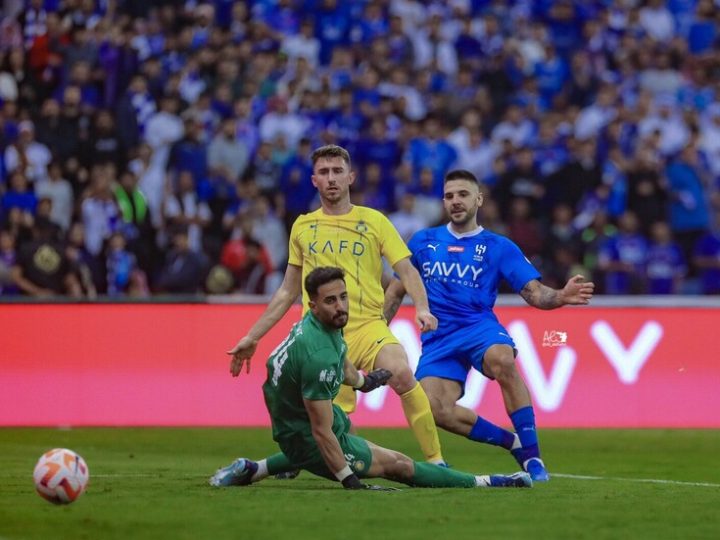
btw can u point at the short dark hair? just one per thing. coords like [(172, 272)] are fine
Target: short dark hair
[(320, 276), (461, 174), (330, 151)]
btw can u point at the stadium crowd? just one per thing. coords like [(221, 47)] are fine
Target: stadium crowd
[(162, 146)]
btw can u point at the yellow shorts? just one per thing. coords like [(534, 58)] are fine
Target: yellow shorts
[(363, 347)]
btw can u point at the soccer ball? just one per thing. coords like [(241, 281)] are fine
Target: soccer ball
[(61, 476)]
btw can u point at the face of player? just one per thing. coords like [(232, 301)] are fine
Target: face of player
[(330, 306), (332, 177), (461, 199)]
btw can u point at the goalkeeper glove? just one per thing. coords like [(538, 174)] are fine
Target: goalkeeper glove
[(375, 379), (353, 482)]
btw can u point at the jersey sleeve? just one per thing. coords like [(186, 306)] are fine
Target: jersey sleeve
[(318, 378), (295, 256), (391, 243), (515, 267)]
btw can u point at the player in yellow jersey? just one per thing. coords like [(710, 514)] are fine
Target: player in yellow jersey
[(354, 238)]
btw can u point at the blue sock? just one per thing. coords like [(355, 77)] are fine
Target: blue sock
[(487, 432), (524, 422)]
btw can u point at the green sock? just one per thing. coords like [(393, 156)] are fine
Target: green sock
[(279, 463), (429, 475)]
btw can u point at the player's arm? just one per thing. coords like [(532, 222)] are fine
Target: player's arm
[(320, 413), (394, 294), (279, 304), (413, 284), (577, 291)]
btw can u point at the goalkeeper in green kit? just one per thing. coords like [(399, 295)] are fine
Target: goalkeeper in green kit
[(304, 374)]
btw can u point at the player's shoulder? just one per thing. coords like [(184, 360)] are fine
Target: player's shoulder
[(305, 221), (493, 238), (369, 215), (431, 234)]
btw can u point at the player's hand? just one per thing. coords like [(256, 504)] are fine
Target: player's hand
[(577, 291), (425, 320), (375, 379), (241, 354)]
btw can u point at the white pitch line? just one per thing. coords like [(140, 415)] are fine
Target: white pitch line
[(639, 480)]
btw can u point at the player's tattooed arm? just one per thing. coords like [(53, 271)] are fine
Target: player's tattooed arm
[(576, 292), (538, 295), (394, 294)]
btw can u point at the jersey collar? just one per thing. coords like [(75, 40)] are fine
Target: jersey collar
[(465, 234)]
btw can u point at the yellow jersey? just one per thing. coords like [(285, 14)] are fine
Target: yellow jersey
[(355, 242)]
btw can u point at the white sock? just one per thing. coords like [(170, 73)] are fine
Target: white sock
[(516, 443), (482, 481), (262, 471)]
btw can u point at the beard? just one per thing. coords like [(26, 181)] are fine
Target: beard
[(463, 217), (340, 320)]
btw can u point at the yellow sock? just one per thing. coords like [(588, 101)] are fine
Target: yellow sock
[(417, 410)]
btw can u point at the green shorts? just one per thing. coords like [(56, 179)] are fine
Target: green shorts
[(357, 454)]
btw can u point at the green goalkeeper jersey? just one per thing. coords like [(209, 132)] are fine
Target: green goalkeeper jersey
[(307, 364)]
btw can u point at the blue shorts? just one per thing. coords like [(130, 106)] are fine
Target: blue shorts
[(451, 356)]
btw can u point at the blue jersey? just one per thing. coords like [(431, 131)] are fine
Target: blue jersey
[(462, 273)]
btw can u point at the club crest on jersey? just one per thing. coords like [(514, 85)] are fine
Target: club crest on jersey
[(456, 249), (361, 227), (480, 250)]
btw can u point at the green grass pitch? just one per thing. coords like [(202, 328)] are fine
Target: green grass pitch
[(152, 483)]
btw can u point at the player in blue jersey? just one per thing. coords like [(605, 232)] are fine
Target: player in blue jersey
[(462, 265)]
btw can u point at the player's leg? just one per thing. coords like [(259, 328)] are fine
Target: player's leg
[(243, 471), (443, 395), (400, 468), (414, 402), (499, 364)]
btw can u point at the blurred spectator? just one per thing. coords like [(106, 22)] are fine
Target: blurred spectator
[(270, 232), (8, 258), (689, 219), (579, 176), (88, 268), (623, 258), (430, 152), (707, 259), (164, 128), (152, 181), (249, 262), (136, 224), (520, 182), (184, 268), (264, 171), (185, 211), (647, 195), (523, 228), (120, 264), (657, 21), (60, 192), (227, 155), (100, 214), (665, 263), (27, 155), (19, 195), (104, 144), (42, 269), (406, 220)]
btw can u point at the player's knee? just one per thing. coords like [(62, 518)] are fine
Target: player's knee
[(442, 414), (402, 380), (502, 367), (402, 467)]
